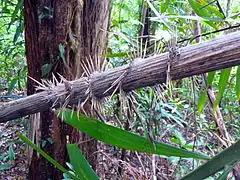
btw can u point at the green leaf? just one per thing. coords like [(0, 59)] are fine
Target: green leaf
[(195, 18), (205, 9), (80, 164), (50, 140), (203, 96), (46, 68), (12, 84), (6, 10), (212, 8), (224, 159), (4, 167), (11, 154), (201, 101), (61, 48), (18, 32), (121, 138), (41, 16), (238, 84), (119, 55), (201, 10), (43, 144), (225, 73), (210, 77), (225, 173), (46, 156), (15, 12), (164, 6)]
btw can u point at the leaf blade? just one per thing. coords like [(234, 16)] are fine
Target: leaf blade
[(80, 164), (238, 84), (46, 156), (224, 159), (225, 74), (120, 138)]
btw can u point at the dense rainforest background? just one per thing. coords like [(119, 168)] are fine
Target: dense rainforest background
[(119, 89)]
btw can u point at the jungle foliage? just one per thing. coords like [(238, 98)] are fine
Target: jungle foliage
[(182, 109)]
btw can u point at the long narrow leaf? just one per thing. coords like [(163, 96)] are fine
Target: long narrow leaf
[(4, 167), (202, 12), (238, 84), (225, 74), (224, 159), (120, 138), (203, 96), (224, 175), (46, 156), (80, 164), (210, 78), (201, 101), (17, 9)]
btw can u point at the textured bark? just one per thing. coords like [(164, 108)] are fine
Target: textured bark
[(46, 26), (34, 62), (89, 27), (219, 53), (34, 65), (92, 44), (80, 27)]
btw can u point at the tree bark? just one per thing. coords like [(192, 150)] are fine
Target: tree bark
[(62, 35), (91, 45), (46, 26), (219, 53)]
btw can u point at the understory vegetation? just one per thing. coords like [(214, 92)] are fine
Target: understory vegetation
[(186, 128)]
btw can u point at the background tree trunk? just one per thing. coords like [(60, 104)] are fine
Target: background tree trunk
[(91, 45), (60, 36)]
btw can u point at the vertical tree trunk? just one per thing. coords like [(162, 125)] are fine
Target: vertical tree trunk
[(60, 35), (91, 45), (45, 28)]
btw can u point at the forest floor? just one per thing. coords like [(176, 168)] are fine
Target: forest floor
[(13, 156), (113, 163)]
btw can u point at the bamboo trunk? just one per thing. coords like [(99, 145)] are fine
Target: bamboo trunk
[(215, 54)]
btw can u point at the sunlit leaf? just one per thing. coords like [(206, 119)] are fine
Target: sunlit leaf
[(224, 76), (195, 18), (201, 101), (164, 6), (119, 55), (200, 9), (17, 9), (121, 138), (205, 9), (203, 96), (210, 77), (238, 84)]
